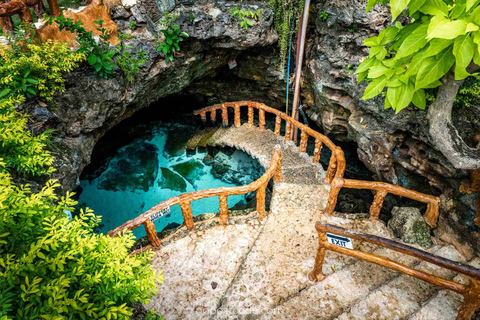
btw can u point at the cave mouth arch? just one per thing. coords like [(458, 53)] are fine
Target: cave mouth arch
[(144, 160)]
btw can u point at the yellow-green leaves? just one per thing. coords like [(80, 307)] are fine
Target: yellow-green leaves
[(375, 88), (397, 6), (433, 68), (443, 28), (435, 8), (463, 49), (414, 42), (401, 96)]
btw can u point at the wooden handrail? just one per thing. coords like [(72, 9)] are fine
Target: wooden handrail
[(184, 200), (336, 166), (22, 8), (470, 293)]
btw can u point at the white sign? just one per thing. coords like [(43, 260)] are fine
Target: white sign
[(339, 241), (232, 64), (159, 214)]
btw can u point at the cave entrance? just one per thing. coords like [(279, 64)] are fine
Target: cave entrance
[(144, 160)]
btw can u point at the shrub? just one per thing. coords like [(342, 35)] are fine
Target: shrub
[(173, 36), (31, 69)]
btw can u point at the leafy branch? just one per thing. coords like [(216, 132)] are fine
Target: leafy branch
[(243, 15), (173, 36)]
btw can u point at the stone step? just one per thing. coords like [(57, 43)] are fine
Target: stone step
[(206, 136), (199, 268), (277, 267), (445, 304), (404, 295)]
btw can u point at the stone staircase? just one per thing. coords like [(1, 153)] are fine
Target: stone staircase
[(259, 269)]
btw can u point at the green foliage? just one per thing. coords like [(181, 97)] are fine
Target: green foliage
[(18, 147), (151, 315), (51, 268), (324, 15), (287, 14), (410, 59), (469, 93), (173, 36), (349, 68), (243, 15), (101, 55), (30, 69), (133, 25)]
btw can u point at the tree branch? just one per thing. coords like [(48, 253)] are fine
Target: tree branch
[(443, 133)]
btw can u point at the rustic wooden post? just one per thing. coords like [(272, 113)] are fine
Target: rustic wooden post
[(318, 151), (224, 116), (54, 9), (237, 116), (288, 131), (332, 166), (261, 193), (187, 214), (152, 233), (261, 119), (203, 115), (316, 274), (431, 215), (278, 125), (471, 301), (335, 188), (377, 204), (213, 115), (6, 24), (303, 142), (250, 115), (223, 209)]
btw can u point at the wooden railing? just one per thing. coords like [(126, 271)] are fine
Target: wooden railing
[(184, 201), (22, 8), (471, 293), (336, 166)]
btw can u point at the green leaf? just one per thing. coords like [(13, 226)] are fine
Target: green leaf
[(365, 65), (471, 3), (433, 68), (388, 35), (414, 42), (419, 99), (435, 8), (416, 63), (475, 16), (414, 5), (3, 93), (463, 50), (443, 28), (92, 59), (371, 42), (400, 97), (471, 27), (437, 45), (375, 88), (370, 5), (377, 70), (397, 6)]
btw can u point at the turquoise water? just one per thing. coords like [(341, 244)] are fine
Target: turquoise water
[(147, 171)]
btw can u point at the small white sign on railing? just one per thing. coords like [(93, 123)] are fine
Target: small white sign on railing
[(159, 214), (339, 241)]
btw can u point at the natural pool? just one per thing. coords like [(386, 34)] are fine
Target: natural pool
[(155, 167)]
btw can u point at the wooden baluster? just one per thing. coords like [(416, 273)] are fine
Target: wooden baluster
[(377, 204), (250, 116), (261, 119), (318, 151), (278, 125), (237, 116), (203, 114), (335, 188), (213, 115), (224, 116), (54, 9), (278, 177), (431, 215), (187, 214), (261, 193), (332, 166), (316, 274), (471, 301), (288, 131), (152, 233), (223, 199), (303, 142)]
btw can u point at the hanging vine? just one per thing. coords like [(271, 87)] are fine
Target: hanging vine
[(286, 13)]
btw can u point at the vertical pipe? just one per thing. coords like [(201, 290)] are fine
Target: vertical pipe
[(298, 71)]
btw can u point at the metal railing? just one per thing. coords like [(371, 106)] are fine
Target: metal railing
[(471, 293), (22, 8), (184, 201), (336, 166)]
